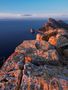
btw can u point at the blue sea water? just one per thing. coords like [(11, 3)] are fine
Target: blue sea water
[(13, 32)]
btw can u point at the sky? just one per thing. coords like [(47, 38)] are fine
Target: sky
[(12, 7)]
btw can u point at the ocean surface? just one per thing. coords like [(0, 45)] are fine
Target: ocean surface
[(13, 32)]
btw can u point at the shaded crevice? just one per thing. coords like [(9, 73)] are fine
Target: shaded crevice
[(18, 88)]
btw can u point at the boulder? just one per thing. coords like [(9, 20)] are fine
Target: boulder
[(52, 40), (52, 56), (39, 37), (43, 45), (48, 57), (62, 41), (48, 34)]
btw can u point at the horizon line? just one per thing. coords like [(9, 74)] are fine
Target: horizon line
[(21, 15)]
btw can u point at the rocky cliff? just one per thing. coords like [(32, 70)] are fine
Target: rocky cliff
[(40, 64)]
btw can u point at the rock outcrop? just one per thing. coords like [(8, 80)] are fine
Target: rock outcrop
[(39, 64)]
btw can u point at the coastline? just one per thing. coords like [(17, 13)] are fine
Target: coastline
[(41, 62)]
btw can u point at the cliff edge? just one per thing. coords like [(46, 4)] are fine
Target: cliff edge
[(40, 64)]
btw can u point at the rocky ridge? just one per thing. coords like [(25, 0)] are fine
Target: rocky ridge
[(40, 64)]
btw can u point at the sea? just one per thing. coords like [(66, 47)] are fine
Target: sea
[(14, 31)]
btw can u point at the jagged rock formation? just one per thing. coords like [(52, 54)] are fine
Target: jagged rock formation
[(39, 64)]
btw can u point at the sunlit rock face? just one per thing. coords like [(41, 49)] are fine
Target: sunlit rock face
[(39, 64), (43, 78), (39, 37), (53, 40), (14, 62), (40, 52)]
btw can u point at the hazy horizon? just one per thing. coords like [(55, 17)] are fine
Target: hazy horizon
[(33, 8), (18, 15)]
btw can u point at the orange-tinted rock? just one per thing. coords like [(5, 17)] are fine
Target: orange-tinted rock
[(46, 35), (44, 45), (10, 80), (58, 84), (35, 64), (44, 78), (33, 83), (14, 62), (28, 59), (25, 45), (39, 37), (64, 84), (52, 56), (53, 40)]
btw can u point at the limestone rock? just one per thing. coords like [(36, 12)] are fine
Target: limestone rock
[(62, 41), (37, 64), (15, 61), (62, 32), (53, 40), (44, 78), (39, 37), (52, 56), (25, 45), (10, 80), (44, 45)]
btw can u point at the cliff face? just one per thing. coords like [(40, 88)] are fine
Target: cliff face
[(39, 64)]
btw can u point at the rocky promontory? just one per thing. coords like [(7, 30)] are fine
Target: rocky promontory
[(40, 64)]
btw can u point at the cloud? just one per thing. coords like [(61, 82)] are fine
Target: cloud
[(9, 15), (51, 15), (17, 15)]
